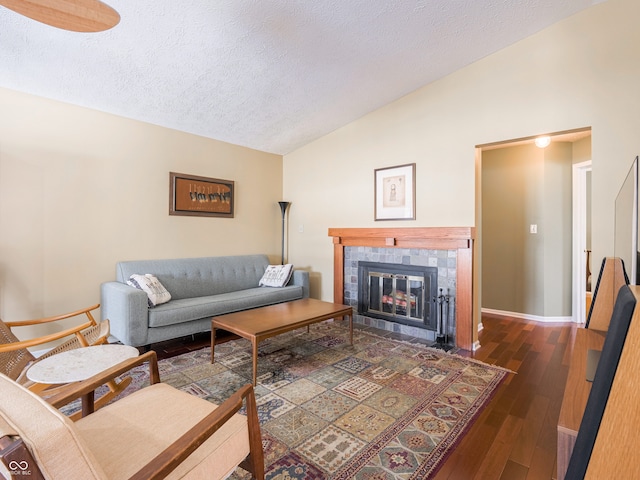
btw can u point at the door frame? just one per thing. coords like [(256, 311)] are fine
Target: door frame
[(579, 261)]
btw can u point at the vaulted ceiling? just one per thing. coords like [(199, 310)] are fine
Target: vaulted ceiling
[(271, 75)]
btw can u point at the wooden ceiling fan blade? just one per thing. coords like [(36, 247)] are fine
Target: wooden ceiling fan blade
[(74, 15)]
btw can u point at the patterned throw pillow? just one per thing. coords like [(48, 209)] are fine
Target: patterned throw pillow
[(150, 284), (276, 275)]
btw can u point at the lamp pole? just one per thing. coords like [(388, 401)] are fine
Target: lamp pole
[(283, 207)]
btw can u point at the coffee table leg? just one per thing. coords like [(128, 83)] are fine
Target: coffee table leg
[(213, 342), (254, 342)]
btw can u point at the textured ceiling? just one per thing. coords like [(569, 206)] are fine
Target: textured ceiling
[(267, 74)]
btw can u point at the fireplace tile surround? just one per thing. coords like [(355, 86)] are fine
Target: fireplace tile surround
[(452, 244), (444, 260)]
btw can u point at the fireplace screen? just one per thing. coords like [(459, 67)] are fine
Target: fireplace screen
[(400, 293), (396, 294)]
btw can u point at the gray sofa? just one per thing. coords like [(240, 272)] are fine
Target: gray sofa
[(200, 288)]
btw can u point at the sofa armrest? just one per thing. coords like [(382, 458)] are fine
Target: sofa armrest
[(128, 312), (301, 277)]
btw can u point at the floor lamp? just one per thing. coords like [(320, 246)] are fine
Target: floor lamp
[(283, 207)]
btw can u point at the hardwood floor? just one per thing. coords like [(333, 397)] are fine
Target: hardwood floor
[(515, 437)]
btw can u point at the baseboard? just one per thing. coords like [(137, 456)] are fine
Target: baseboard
[(525, 316)]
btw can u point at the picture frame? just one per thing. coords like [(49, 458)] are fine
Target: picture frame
[(395, 192), (193, 195)]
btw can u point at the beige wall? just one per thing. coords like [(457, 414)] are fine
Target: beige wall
[(81, 190), (556, 227), (582, 72), (522, 272), (512, 258)]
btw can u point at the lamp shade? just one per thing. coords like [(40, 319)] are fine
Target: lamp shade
[(283, 207)]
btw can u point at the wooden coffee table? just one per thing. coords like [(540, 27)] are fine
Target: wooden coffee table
[(259, 324)]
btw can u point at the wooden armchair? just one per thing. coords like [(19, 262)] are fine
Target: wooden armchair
[(156, 432), (15, 358)]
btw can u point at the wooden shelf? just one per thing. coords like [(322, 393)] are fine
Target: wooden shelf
[(617, 443), (576, 393), (610, 279), (617, 440)]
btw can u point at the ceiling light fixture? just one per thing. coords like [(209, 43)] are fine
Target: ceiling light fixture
[(543, 142)]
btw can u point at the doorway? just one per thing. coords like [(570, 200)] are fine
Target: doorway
[(546, 269)]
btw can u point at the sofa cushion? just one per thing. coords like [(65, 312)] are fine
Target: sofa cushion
[(276, 275), (200, 277), (149, 284), (188, 309)]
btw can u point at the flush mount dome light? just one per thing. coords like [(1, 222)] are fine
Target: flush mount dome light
[(543, 142)]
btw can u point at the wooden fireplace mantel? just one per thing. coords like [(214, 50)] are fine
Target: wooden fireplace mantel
[(433, 238)]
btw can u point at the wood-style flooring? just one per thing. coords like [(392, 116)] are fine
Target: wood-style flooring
[(515, 437)]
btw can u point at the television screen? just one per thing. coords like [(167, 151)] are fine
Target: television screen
[(626, 224)]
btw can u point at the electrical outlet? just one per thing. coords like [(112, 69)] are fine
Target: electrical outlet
[(533, 228), (301, 228)]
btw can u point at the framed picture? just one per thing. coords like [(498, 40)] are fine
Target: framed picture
[(200, 196), (395, 193)]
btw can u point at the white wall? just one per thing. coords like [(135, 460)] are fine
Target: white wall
[(81, 190), (581, 72)]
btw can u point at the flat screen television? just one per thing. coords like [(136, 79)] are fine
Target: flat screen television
[(626, 225), (626, 238)]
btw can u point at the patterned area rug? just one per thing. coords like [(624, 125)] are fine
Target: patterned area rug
[(380, 409)]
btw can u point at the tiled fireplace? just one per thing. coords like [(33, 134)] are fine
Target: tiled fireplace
[(422, 285), (397, 289)]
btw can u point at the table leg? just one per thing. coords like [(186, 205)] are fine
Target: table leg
[(213, 342), (254, 343), (350, 329), (88, 404)]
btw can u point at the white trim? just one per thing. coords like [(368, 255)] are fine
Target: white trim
[(526, 316), (480, 327), (476, 345), (579, 244)]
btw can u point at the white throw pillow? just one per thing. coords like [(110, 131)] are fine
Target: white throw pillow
[(150, 284), (276, 275)]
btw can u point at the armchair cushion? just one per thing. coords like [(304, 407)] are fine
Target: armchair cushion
[(46, 431), (135, 435), (142, 424)]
